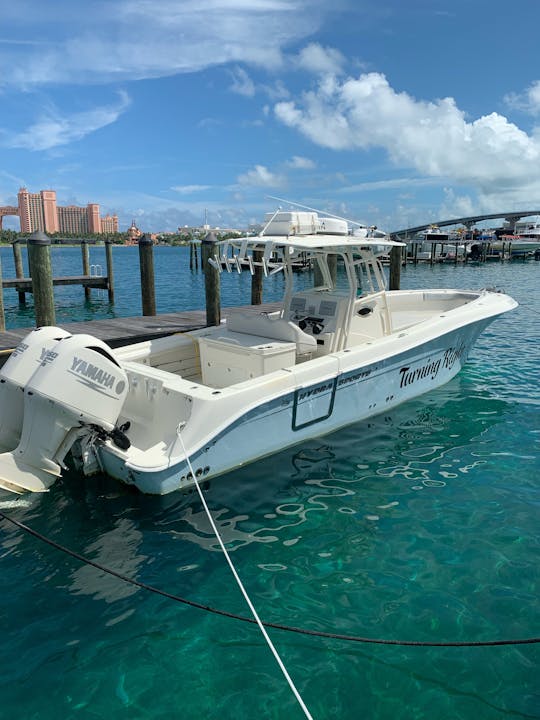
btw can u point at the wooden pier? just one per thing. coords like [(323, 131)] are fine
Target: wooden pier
[(24, 284), (40, 282), (117, 332)]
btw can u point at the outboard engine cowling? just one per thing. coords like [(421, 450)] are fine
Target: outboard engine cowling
[(78, 388), (14, 375)]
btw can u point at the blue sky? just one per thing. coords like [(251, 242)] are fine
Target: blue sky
[(390, 112)]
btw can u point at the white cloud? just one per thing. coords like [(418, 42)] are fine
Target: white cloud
[(190, 189), (137, 39), (276, 91), (434, 137), (242, 84), (394, 184), (300, 163), (455, 205), (53, 130), (528, 101), (260, 176), (320, 60)]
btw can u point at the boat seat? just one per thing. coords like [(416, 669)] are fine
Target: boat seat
[(274, 327)]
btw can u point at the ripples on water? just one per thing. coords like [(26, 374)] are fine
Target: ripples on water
[(420, 524)]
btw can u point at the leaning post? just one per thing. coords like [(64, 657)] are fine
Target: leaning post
[(39, 260), (110, 274), (19, 271), (395, 266), (146, 261), (85, 265), (211, 280)]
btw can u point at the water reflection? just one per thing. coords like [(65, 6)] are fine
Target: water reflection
[(368, 471), (117, 549)]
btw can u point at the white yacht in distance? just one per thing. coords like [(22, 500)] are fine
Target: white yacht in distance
[(528, 229), (435, 244), (162, 414)]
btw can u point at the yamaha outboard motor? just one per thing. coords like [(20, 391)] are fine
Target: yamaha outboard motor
[(14, 375), (78, 389)]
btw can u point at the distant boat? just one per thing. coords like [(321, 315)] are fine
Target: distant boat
[(518, 244), (434, 244), (525, 240), (529, 229)]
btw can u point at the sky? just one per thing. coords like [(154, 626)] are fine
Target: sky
[(173, 112)]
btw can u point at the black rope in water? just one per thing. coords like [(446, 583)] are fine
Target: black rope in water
[(243, 618)]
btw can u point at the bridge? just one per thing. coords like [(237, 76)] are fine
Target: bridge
[(468, 222), (7, 210)]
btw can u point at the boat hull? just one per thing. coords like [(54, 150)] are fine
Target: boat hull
[(352, 394)]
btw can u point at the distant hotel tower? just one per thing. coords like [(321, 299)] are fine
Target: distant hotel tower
[(39, 211)]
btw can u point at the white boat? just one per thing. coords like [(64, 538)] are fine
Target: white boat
[(155, 414), (435, 245), (528, 229), (518, 244)]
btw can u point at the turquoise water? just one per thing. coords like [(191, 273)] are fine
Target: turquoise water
[(421, 524)]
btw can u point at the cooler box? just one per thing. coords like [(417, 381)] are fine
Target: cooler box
[(234, 357)]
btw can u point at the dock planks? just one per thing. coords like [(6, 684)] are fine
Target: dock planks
[(92, 281), (117, 332)]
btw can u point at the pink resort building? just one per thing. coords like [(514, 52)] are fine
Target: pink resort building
[(39, 211)]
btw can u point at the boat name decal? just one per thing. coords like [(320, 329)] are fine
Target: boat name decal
[(92, 372), (431, 368), (451, 355)]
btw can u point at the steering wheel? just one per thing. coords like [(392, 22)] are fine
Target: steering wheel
[(316, 324)]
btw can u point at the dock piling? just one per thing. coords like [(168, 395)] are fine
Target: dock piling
[(19, 271), (193, 256), (110, 274), (211, 280), (39, 260), (395, 267), (257, 278), (2, 316), (146, 261), (85, 265)]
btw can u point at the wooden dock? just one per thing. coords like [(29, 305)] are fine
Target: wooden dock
[(117, 332), (24, 284)]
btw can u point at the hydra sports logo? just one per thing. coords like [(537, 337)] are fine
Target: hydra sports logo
[(95, 376)]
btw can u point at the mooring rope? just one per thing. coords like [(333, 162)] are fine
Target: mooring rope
[(241, 585), (243, 618)]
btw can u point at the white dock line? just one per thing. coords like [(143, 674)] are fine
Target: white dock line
[(241, 586)]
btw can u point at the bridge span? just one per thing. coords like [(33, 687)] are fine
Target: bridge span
[(511, 217), (7, 210)]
